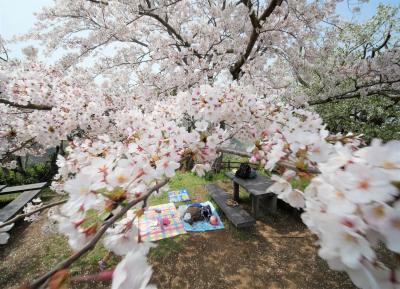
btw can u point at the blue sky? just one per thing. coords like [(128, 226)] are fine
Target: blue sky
[(17, 16)]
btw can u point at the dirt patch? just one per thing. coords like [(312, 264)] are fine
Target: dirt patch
[(30, 253), (278, 252), (260, 257)]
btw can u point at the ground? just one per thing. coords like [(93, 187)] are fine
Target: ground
[(278, 252)]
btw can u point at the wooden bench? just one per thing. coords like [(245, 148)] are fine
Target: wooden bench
[(15, 189), (237, 215), (29, 192), (257, 188)]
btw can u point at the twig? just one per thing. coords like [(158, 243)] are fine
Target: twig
[(8, 154), (285, 236), (20, 216), (91, 244), (26, 106)]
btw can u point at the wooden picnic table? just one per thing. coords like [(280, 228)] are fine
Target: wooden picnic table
[(257, 188)]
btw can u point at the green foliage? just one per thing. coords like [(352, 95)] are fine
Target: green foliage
[(41, 172), (300, 183), (372, 33), (375, 117)]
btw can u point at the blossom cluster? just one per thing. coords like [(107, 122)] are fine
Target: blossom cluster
[(350, 192), (30, 208), (351, 204), (353, 207)]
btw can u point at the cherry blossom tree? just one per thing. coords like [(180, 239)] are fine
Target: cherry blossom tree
[(173, 80)]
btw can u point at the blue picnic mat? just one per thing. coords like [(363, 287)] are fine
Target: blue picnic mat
[(202, 226), (178, 196)]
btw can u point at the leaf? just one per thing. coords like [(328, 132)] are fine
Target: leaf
[(300, 164), (58, 280), (397, 185), (118, 194), (92, 229), (139, 212)]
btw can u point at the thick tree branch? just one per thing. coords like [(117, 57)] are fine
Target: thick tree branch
[(236, 67), (384, 43), (92, 243)]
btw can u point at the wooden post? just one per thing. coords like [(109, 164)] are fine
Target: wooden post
[(272, 203), (235, 191), (254, 205)]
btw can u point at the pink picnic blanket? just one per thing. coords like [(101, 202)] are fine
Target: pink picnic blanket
[(149, 225)]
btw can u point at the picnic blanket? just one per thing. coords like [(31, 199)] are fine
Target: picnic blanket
[(178, 196), (149, 223), (202, 226)]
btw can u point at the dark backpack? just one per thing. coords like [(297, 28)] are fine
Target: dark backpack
[(198, 212), (243, 171)]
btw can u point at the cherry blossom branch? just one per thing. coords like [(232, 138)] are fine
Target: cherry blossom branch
[(171, 30), (99, 2), (356, 93), (21, 216), (4, 51), (384, 43), (281, 163), (7, 155), (92, 243), (26, 106)]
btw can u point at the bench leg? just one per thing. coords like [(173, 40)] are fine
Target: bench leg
[(272, 203), (236, 192), (254, 205)]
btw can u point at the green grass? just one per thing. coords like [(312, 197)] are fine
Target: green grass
[(187, 180), (46, 195), (166, 247), (87, 263), (8, 198)]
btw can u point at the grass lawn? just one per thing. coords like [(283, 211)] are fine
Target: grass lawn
[(46, 195)]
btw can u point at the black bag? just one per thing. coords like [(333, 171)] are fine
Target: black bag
[(198, 213), (243, 171)]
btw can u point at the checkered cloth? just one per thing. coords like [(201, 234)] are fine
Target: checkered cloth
[(149, 223), (178, 196)]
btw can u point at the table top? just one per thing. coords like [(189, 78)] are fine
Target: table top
[(257, 186)]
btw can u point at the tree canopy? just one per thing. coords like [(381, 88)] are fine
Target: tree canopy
[(145, 85)]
